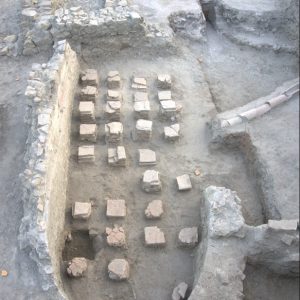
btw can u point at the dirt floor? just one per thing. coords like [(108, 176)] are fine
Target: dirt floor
[(202, 89), (155, 272)]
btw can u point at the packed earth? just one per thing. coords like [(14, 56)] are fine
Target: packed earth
[(149, 150)]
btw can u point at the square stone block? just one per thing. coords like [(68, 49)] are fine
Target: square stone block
[(143, 129), (86, 154), (116, 208), (151, 181), (154, 237), (164, 95), (87, 112), (147, 157), (184, 182), (88, 132), (81, 210), (168, 108), (142, 109)]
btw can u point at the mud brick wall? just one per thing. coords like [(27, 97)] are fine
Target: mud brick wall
[(50, 96)]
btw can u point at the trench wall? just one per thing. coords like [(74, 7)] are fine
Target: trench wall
[(50, 96)]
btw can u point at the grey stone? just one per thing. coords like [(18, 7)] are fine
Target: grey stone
[(118, 269), (184, 182), (179, 292), (188, 237)]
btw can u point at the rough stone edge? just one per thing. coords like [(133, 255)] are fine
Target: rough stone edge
[(237, 136), (221, 260), (33, 229)]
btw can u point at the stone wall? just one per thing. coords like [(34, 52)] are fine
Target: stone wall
[(107, 29), (50, 96)]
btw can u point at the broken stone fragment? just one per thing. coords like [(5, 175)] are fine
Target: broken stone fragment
[(113, 80), (88, 93), (10, 39), (113, 132), (81, 210), (184, 182), (117, 156), (142, 109), (188, 237), (113, 95), (112, 110), (116, 208), (172, 133), (76, 267), (179, 292), (154, 210), (151, 181), (115, 237), (118, 269), (154, 237), (139, 83), (90, 77), (164, 81)]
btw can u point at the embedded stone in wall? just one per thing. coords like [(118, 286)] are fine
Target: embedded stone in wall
[(88, 93), (172, 133), (188, 237), (168, 108), (88, 132), (90, 77), (112, 110), (77, 267), (115, 237), (86, 154), (154, 209), (113, 95), (179, 293), (164, 95), (87, 112), (118, 269), (117, 156), (116, 208), (184, 182), (113, 80), (113, 132), (141, 96), (143, 130), (139, 83), (151, 181), (81, 210), (154, 237), (147, 157), (164, 81), (142, 109)]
